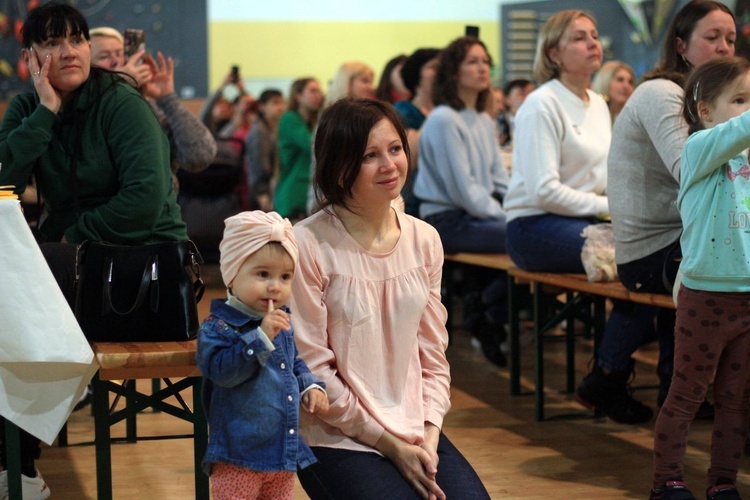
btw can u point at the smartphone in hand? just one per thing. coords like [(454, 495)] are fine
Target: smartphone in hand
[(135, 40)]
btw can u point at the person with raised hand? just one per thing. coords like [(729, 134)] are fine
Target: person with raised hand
[(192, 147)]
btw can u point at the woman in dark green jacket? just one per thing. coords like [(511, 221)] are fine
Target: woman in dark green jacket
[(295, 148), (99, 156)]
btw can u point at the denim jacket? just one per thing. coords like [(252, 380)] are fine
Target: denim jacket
[(251, 395)]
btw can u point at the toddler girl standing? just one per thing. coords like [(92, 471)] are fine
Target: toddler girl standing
[(253, 378), (712, 332)]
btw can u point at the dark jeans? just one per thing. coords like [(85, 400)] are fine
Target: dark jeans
[(345, 474), (553, 243), (654, 273), (484, 291), (61, 258)]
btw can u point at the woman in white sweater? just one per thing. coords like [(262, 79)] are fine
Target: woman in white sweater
[(559, 176), (560, 150)]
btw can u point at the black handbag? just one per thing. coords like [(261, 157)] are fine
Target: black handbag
[(138, 293)]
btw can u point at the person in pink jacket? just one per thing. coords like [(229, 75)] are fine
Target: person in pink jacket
[(370, 324)]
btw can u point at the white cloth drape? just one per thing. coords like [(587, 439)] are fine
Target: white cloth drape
[(45, 360)]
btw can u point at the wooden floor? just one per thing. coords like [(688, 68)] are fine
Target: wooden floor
[(571, 455)]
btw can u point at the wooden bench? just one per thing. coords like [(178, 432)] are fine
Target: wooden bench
[(145, 360), (579, 295), (128, 362)]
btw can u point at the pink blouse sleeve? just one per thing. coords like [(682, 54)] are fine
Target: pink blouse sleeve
[(433, 342)]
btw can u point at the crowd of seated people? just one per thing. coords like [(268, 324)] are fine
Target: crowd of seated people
[(465, 189), (586, 142)]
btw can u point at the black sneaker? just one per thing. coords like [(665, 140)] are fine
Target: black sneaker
[(674, 489), (723, 489), (609, 393), (489, 340)]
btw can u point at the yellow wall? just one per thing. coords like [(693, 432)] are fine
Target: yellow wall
[(288, 50)]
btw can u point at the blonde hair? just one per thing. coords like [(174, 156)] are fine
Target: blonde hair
[(343, 79), (604, 76), (106, 31), (545, 69)]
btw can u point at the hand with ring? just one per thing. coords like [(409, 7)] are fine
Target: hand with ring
[(48, 95)]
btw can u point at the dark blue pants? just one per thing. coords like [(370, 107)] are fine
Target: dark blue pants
[(345, 474), (654, 273), (553, 243), (485, 292)]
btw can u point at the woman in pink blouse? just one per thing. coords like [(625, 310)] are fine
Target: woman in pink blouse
[(369, 322)]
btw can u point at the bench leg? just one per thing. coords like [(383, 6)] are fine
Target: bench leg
[(102, 441), (514, 338), (570, 346), (539, 356), (155, 387), (200, 441), (13, 455), (131, 428)]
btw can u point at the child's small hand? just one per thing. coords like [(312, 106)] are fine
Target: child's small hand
[(315, 401), (275, 321)]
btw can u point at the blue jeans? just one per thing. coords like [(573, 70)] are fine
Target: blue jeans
[(547, 243), (460, 232), (346, 474)]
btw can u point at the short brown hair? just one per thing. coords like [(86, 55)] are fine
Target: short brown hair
[(340, 144)]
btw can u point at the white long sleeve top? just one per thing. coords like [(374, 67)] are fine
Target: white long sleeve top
[(560, 151)]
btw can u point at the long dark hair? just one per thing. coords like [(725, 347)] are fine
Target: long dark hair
[(340, 144), (445, 88), (672, 66)]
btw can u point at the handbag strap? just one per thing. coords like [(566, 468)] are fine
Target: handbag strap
[(199, 287), (150, 275)]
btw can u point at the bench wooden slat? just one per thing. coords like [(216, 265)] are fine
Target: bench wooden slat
[(499, 261), (131, 360), (566, 281)]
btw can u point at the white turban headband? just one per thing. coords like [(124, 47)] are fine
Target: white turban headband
[(246, 233)]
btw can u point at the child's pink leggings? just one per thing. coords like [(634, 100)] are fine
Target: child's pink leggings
[(231, 482)]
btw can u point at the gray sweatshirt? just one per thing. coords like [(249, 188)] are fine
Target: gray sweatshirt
[(644, 170)]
